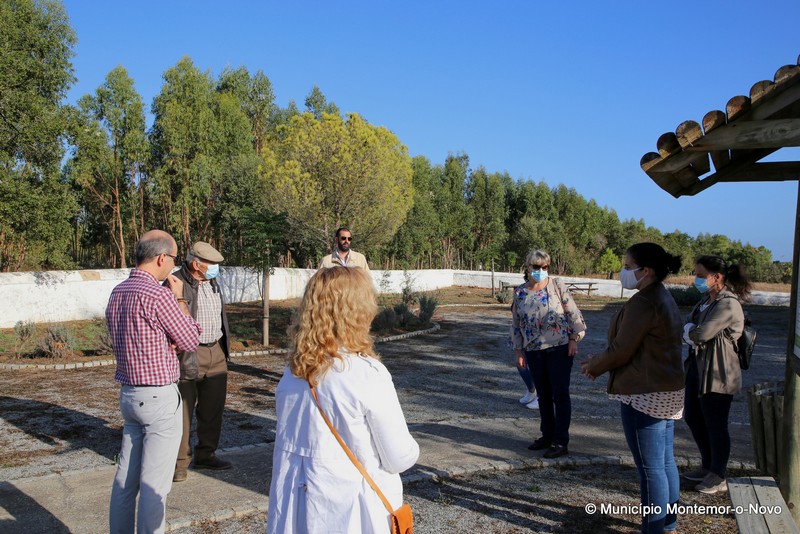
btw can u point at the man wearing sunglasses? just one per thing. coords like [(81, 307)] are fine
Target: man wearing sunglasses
[(342, 255)]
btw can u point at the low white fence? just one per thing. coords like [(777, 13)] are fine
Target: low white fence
[(58, 296)]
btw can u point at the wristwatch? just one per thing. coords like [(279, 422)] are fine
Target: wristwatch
[(574, 338)]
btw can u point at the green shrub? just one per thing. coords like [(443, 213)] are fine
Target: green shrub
[(404, 316), (385, 320), (57, 342), (427, 305), (684, 295), (24, 330), (103, 337), (407, 293)]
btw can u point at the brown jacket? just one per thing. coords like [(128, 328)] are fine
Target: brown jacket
[(188, 360), (717, 328), (644, 345)]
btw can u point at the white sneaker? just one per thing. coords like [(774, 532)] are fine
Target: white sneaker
[(527, 398), (533, 405)]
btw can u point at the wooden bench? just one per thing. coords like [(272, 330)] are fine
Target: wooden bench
[(582, 286), (759, 506)]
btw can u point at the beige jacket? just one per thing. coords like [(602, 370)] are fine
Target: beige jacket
[(717, 329), (354, 259), (644, 345)]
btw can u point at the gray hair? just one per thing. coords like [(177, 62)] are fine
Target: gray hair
[(151, 247), (538, 256)]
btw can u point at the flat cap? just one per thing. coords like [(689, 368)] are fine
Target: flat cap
[(203, 250)]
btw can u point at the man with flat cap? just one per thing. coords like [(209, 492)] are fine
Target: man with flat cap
[(204, 372)]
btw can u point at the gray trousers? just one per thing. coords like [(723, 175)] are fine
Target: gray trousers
[(150, 439)]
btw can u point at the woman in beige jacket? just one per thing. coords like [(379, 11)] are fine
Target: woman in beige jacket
[(713, 374)]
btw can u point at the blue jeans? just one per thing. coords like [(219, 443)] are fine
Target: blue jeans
[(150, 440), (525, 373), (707, 418), (650, 441), (551, 369)]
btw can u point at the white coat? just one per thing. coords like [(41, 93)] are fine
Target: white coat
[(315, 487)]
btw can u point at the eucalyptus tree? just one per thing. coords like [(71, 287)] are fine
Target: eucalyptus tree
[(416, 243), (454, 215), (257, 100), (202, 145), (109, 156), (486, 200), (317, 104), (36, 207)]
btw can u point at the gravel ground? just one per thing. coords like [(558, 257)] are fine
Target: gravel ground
[(67, 420)]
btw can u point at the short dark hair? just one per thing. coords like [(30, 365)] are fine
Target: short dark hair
[(654, 256), (340, 229), (152, 247)]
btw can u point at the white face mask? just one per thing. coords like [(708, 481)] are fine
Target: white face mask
[(627, 277)]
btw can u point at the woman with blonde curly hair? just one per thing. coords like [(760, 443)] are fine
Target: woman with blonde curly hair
[(315, 487)]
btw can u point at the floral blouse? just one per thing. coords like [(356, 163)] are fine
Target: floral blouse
[(540, 319)]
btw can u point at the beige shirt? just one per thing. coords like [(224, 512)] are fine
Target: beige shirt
[(354, 259)]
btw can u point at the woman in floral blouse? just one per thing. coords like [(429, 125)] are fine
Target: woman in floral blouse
[(546, 327)]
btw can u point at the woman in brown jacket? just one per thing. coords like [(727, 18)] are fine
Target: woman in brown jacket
[(713, 374), (643, 359)]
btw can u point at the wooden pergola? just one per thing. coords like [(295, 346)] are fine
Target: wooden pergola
[(734, 142)]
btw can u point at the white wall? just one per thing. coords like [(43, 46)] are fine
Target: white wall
[(58, 296)]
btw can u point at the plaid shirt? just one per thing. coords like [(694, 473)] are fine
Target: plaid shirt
[(209, 312), (144, 320)]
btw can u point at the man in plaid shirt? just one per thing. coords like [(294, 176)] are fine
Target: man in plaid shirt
[(146, 322)]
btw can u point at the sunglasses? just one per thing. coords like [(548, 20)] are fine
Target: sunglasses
[(539, 267), (345, 238)]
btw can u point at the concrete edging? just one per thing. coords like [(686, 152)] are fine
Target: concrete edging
[(101, 363)]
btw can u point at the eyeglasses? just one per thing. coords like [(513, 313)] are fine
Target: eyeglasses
[(343, 238), (174, 258), (539, 267)]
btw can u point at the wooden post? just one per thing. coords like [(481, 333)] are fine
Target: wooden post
[(265, 309), (492, 277), (790, 472)]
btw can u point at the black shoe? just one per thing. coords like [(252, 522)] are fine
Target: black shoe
[(556, 451), (212, 462), (539, 444)]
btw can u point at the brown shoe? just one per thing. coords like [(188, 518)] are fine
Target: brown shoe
[(213, 462), (180, 475), (556, 451)]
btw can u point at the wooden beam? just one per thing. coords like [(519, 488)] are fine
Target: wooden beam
[(779, 171), (711, 121), (774, 171), (750, 135)]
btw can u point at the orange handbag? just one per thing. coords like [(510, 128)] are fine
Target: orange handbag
[(402, 518)]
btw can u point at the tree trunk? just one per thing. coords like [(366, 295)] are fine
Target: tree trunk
[(265, 309)]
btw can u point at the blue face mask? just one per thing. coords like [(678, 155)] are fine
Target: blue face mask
[(701, 284), (539, 274), (212, 272)]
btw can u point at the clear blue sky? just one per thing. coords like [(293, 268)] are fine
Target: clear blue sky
[(565, 92)]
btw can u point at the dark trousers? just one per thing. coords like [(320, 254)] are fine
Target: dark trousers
[(205, 399), (551, 369), (707, 418)]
